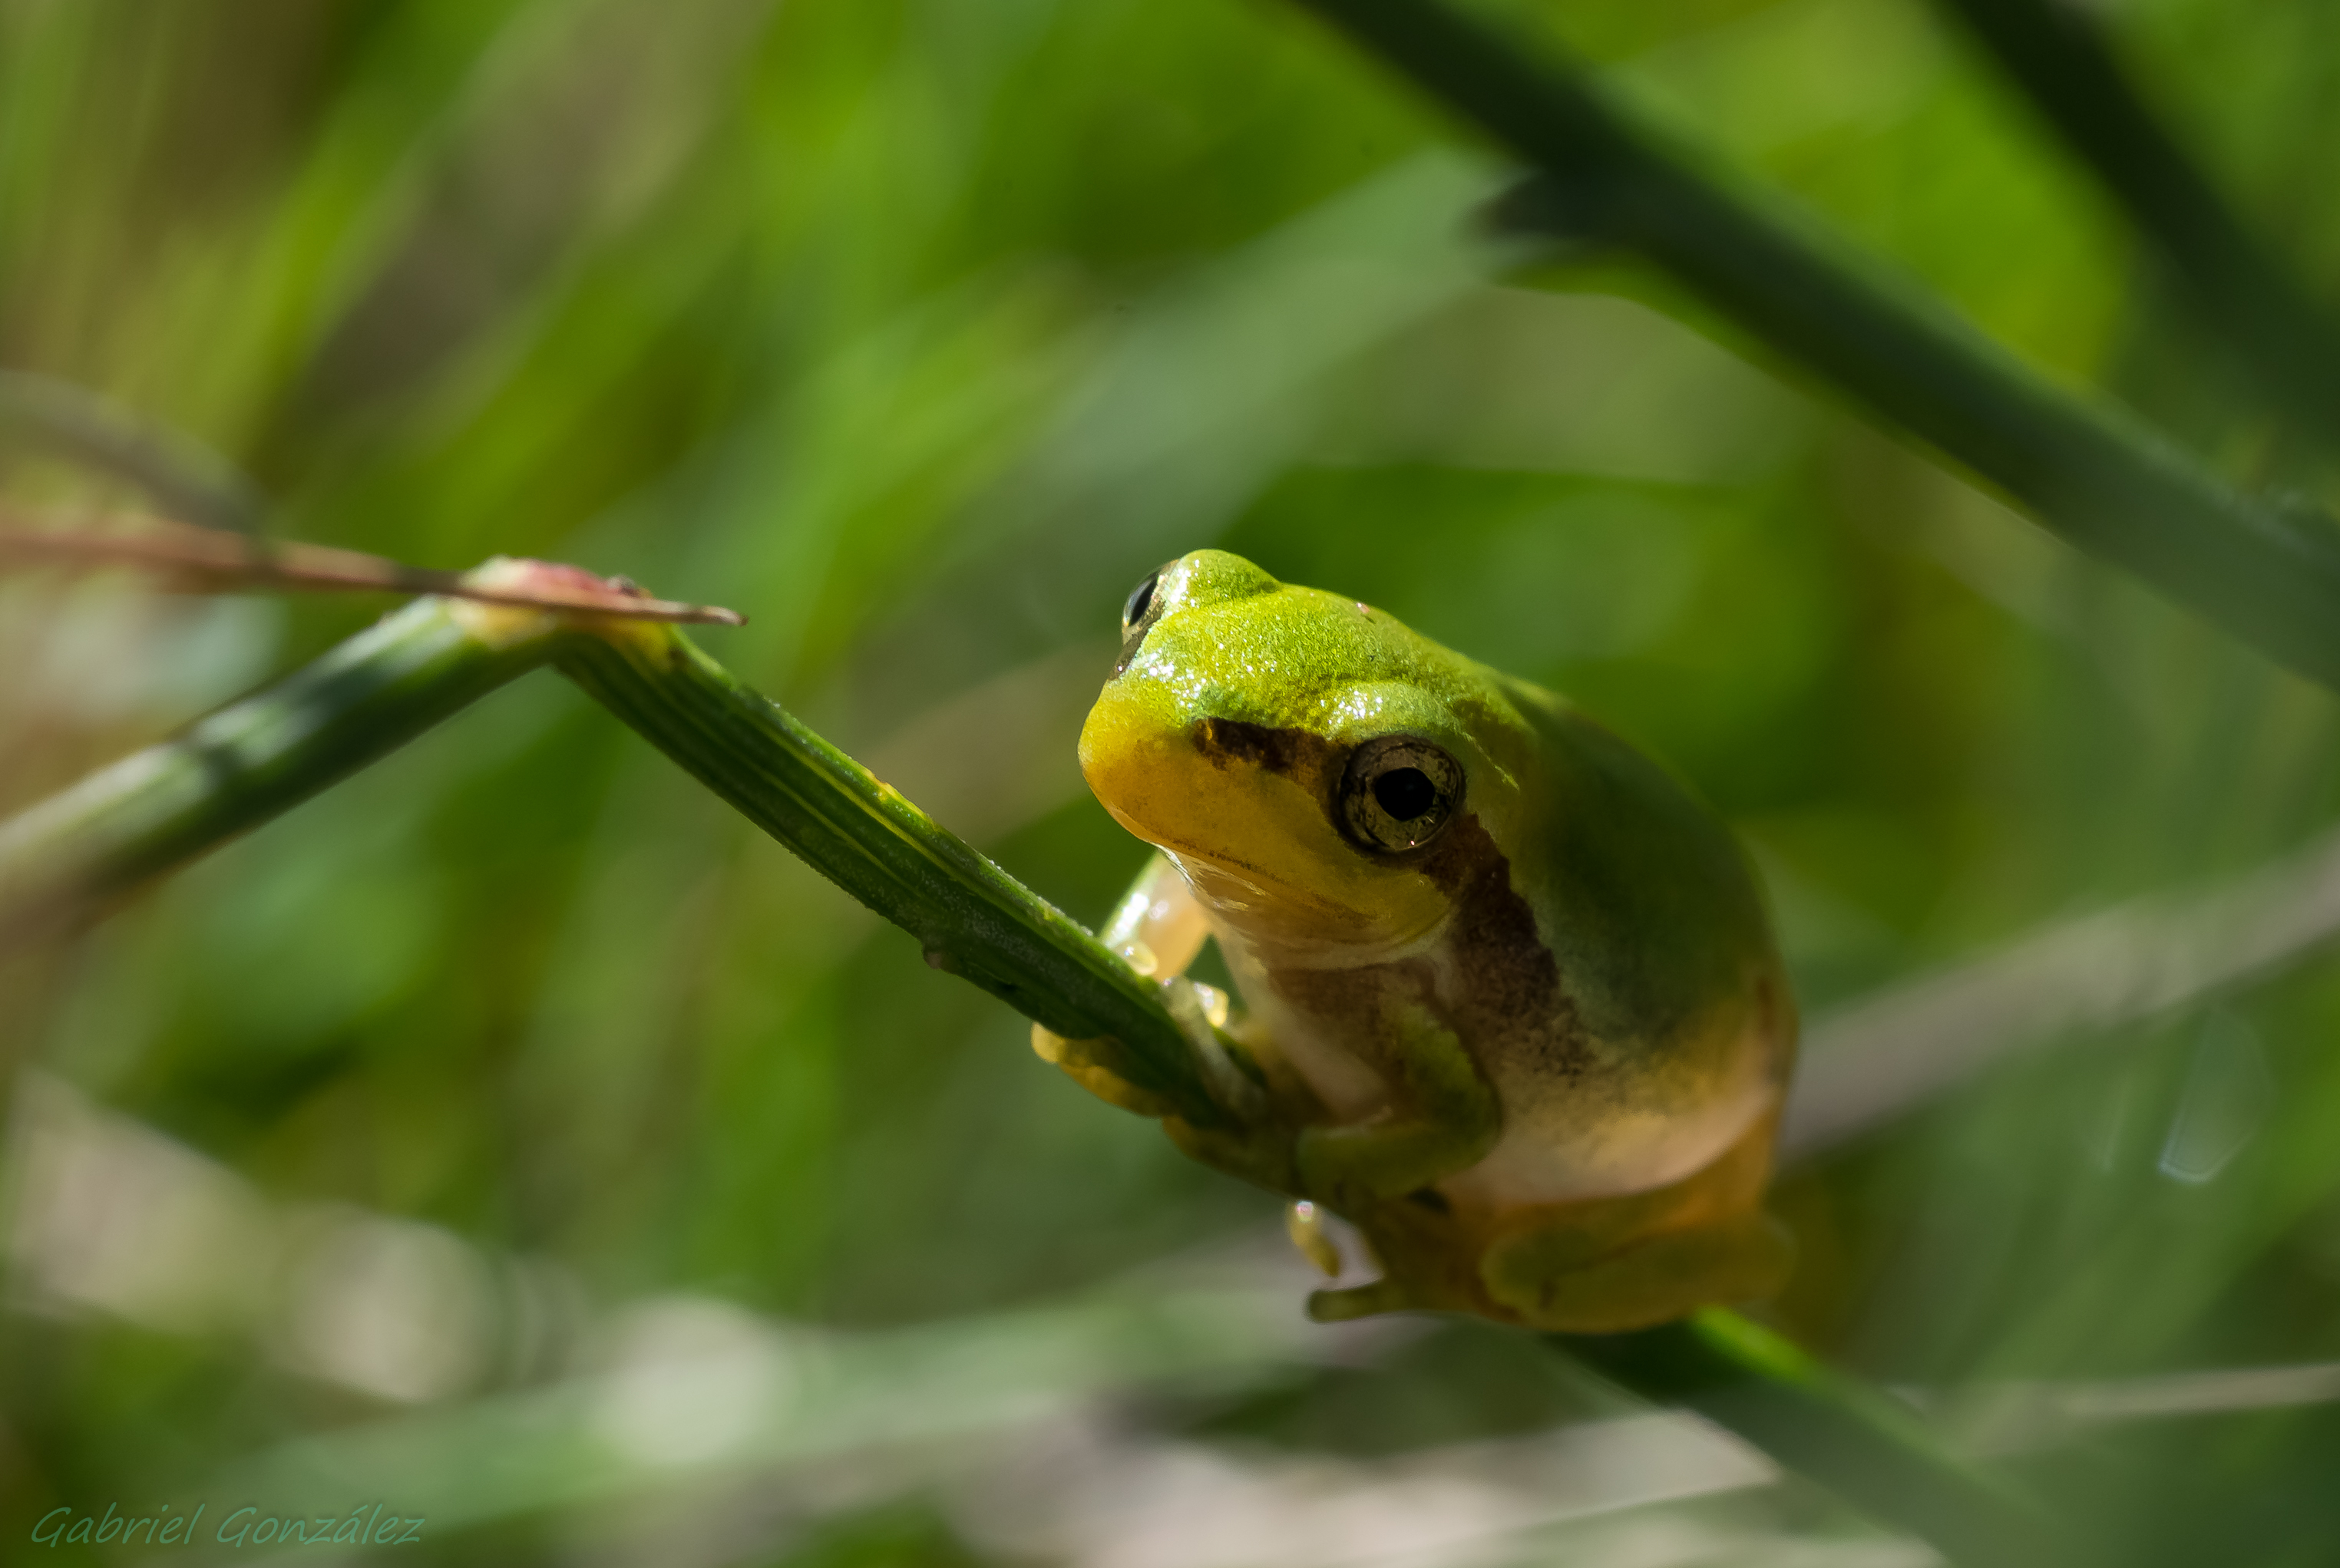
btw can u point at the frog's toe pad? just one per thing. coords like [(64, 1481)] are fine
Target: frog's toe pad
[(1357, 1301), (1544, 1279), (1078, 1059)]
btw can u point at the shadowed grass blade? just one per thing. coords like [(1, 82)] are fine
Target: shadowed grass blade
[(2268, 574)]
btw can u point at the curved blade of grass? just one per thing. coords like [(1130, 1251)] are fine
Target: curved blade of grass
[(2269, 573)]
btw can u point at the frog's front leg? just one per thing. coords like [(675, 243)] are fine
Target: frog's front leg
[(1441, 1117), (1157, 928)]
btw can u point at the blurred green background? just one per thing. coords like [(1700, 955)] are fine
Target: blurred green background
[(514, 1138)]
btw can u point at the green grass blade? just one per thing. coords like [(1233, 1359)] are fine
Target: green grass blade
[(1860, 1444)]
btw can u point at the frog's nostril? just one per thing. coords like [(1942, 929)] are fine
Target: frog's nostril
[(1140, 598)]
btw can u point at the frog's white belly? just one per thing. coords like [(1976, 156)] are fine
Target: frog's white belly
[(1560, 1158)]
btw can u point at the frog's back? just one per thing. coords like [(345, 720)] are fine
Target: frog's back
[(1649, 904)]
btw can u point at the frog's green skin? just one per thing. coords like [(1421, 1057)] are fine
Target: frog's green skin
[(1537, 1059)]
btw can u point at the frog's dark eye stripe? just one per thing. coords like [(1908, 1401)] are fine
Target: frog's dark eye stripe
[(1398, 794)]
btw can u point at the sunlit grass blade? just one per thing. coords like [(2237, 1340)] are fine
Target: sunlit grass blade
[(971, 917)]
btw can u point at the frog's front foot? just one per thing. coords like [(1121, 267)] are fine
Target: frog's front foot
[(1554, 1281)]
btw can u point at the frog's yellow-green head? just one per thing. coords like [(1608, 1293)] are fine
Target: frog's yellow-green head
[(1315, 766)]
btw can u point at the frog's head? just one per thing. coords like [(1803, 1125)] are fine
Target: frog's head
[(1318, 771)]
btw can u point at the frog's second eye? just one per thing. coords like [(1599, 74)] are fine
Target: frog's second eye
[(1398, 792), (1138, 613), (1140, 599)]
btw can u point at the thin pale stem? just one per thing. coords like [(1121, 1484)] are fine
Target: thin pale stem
[(211, 561)]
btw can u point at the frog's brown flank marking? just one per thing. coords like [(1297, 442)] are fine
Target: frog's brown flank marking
[(1507, 982)]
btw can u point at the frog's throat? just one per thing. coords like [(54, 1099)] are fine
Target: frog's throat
[(1265, 919)]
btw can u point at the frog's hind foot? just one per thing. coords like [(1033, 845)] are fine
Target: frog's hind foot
[(1546, 1278), (1356, 1301)]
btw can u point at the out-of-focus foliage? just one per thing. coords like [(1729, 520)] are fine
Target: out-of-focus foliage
[(580, 1170)]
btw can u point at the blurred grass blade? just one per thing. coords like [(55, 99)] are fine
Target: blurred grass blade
[(972, 918), (2269, 574), (1857, 1441), (1891, 1051), (210, 562), (2058, 56), (184, 478), (66, 859)]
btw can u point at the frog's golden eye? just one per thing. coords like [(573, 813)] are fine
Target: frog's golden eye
[(1399, 792)]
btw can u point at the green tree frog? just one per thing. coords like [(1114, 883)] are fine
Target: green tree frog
[(1512, 992)]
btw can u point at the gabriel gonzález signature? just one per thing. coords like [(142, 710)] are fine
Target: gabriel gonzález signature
[(367, 1524)]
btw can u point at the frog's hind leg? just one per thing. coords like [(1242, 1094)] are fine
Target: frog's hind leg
[(1157, 928), (1548, 1277)]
